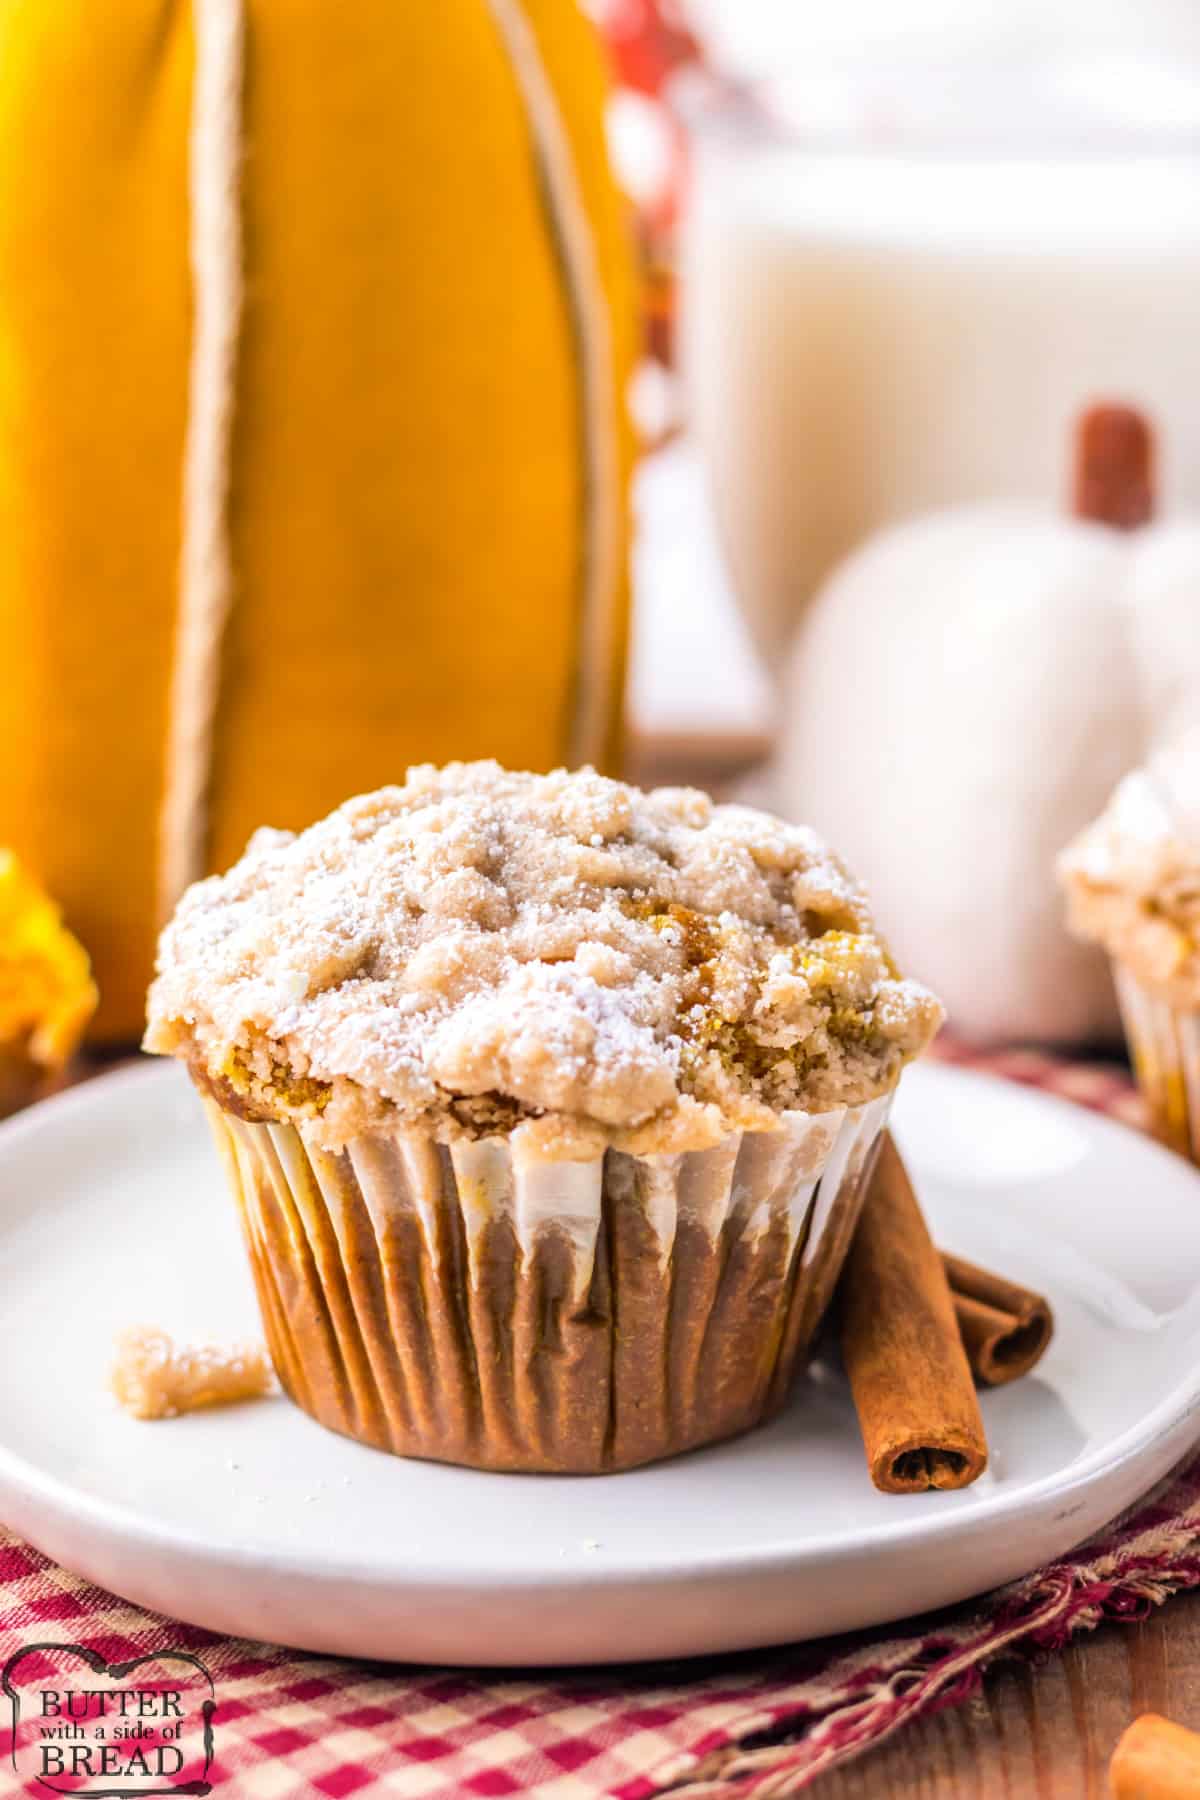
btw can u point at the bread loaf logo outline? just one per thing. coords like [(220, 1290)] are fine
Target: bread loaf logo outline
[(109, 1730)]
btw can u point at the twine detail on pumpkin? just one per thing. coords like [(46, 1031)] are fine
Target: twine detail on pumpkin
[(206, 568), (591, 329)]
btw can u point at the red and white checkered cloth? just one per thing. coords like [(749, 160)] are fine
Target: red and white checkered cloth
[(758, 1724)]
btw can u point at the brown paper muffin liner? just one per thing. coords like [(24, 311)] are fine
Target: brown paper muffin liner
[(473, 1304), (1164, 1041)]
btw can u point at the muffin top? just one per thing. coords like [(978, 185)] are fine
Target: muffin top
[(480, 951), (1133, 877)]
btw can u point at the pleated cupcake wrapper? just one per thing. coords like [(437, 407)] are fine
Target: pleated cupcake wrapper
[(473, 1304), (1164, 1041)]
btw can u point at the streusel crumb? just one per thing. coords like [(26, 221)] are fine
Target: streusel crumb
[(152, 1377), (480, 950)]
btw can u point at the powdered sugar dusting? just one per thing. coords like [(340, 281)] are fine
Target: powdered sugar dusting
[(480, 949)]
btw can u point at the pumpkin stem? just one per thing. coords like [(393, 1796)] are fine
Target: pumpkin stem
[(1114, 467)]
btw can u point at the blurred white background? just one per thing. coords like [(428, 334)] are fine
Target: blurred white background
[(752, 35), (907, 244)]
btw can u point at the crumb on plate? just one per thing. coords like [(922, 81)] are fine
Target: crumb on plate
[(154, 1378)]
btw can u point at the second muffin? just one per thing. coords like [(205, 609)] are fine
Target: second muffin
[(547, 1103), (1132, 880)]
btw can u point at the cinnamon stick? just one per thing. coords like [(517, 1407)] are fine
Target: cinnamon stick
[(908, 1371), (1114, 467), (1004, 1328), (1155, 1760)]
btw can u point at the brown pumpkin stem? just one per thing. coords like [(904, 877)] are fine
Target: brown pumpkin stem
[(1114, 467)]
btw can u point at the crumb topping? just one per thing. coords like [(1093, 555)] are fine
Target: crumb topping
[(152, 1377), (1132, 878), (479, 950)]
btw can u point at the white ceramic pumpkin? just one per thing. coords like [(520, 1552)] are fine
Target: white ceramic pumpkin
[(962, 698)]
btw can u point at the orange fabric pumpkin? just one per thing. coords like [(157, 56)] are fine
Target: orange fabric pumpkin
[(418, 482)]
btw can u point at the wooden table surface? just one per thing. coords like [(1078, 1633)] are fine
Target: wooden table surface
[(1045, 1732)]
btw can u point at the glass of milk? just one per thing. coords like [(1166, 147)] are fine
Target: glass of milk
[(900, 291)]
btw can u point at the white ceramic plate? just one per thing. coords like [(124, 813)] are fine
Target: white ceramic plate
[(255, 1521)]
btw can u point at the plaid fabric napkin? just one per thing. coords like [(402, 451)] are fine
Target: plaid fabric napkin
[(758, 1724)]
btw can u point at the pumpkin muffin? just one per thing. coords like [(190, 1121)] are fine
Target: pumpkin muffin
[(1132, 881), (548, 1106)]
